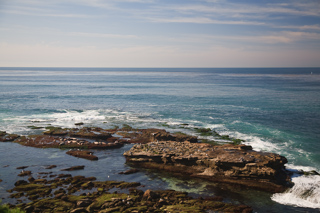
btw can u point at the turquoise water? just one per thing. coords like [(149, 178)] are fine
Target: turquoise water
[(272, 109)]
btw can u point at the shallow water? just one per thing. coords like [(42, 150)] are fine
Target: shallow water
[(110, 163)]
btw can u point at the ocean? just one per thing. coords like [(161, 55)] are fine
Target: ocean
[(272, 109)]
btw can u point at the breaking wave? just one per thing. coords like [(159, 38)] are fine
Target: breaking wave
[(304, 193)]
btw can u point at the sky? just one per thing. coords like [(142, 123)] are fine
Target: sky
[(159, 33)]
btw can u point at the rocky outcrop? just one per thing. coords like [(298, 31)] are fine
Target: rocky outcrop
[(236, 164), (85, 132), (85, 194), (82, 154), (73, 168), (149, 135), (48, 141), (162, 135), (128, 172), (5, 137)]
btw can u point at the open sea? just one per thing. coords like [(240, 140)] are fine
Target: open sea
[(272, 109)]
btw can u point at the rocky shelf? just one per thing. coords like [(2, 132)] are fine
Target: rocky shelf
[(174, 152), (75, 194), (235, 164), (86, 138)]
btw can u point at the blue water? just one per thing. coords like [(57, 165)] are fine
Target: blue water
[(272, 109)]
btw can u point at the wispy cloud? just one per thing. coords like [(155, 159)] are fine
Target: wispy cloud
[(224, 7), (204, 20), (37, 10), (280, 37), (102, 35), (230, 13), (276, 38), (43, 14)]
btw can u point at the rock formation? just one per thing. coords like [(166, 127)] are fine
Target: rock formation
[(4, 136), (236, 164), (82, 154)]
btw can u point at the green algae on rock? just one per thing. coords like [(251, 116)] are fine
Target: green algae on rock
[(57, 195)]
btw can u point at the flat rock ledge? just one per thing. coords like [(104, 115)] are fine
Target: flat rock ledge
[(234, 164)]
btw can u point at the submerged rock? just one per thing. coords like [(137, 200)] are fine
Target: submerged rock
[(236, 164), (82, 154), (130, 171), (51, 167), (63, 194), (73, 168)]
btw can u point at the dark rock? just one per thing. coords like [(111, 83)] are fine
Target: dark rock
[(150, 195), (313, 172), (162, 135), (130, 171), (51, 167), (84, 203), (87, 185), (40, 181), (29, 209), (90, 132), (79, 210), (56, 131), (216, 198), (24, 173), (52, 141), (22, 167), (59, 195), (45, 200), (5, 137), (73, 168), (31, 179), (20, 182), (82, 154), (64, 175), (64, 198)]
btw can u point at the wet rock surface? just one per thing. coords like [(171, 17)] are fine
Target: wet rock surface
[(47, 141), (66, 193), (79, 140), (73, 168), (82, 154), (5, 137), (130, 171), (236, 164)]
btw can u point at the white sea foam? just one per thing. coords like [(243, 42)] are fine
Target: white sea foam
[(257, 143), (69, 118), (306, 189), (304, 193), (299, 168), (216, 126), (64, 118)]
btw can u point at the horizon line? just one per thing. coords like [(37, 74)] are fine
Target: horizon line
[(155, 67)]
